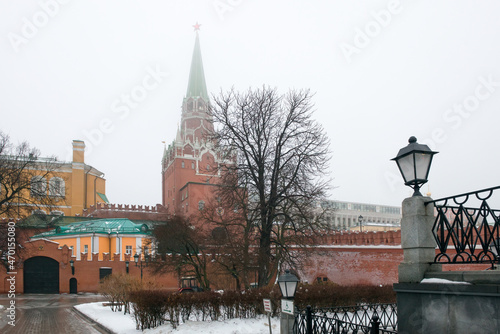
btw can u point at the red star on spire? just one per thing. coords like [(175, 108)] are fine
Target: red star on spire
[(197, 26)]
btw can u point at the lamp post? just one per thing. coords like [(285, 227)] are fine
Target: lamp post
[(414, 162), (417, 241), (141, 263), (288, 285), (72, 264), (360, 221)]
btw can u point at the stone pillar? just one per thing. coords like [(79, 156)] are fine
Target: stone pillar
[(417, 240)]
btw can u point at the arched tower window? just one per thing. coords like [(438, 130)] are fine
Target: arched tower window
[(201, 205), (201, 105), (190, 105)]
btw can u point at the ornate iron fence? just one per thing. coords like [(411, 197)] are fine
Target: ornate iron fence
[(369, 318), (473, 232)]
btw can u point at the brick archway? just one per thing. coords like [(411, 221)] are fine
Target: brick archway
[(41, 275)]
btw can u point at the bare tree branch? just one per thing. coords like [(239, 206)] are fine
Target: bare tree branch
[(282, 169)]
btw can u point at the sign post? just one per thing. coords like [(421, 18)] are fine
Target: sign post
[(287, 316), (268, 310)]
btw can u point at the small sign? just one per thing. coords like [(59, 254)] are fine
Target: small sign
[(267, 305), (287, 306)]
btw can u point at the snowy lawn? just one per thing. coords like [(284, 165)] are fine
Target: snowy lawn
[(125, 324)]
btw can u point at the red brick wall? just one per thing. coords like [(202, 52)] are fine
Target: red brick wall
[(133, 212), (354, 265), (86, 272), (344, 258)]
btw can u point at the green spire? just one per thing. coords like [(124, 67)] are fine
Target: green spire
[(197, 86)]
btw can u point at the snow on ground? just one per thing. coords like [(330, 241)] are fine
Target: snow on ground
[(442, 281), (125, 324)]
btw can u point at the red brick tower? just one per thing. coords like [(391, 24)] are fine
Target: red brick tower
[(190, 164)]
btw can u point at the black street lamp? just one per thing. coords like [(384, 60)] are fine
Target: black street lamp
[(414, 162), (360, 221), (141, 263), (288, 284), (72, 264)]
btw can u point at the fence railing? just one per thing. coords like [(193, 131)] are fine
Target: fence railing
[(369, 318), (472, 230)]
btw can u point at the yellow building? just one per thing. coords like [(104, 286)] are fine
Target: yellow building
[(101, 236), (60, 188)]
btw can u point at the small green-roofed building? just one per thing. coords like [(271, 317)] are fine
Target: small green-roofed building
[(110, 235)]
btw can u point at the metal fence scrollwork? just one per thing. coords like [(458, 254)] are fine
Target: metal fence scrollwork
[(368, 318), (472, 230)]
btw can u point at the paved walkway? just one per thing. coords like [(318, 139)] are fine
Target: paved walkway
[(52, 314)]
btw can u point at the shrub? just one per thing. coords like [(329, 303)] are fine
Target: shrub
[(153, 307), (117, 289), (150, 307)]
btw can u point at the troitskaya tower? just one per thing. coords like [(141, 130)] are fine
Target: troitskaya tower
[(190, 164)]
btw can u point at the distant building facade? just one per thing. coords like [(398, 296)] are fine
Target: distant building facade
[(345, 216), (101, 236), (61, 188)]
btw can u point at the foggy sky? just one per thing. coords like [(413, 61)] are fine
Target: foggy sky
[(114, 73)]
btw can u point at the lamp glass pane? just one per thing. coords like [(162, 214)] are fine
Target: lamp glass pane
[(283, 289), (406, 166), (423, 162), (291, 288)]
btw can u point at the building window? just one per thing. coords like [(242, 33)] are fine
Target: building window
[(128, 249), (57, 187), (321, 279), (182, 164), (104, 272), (38, 186), (192, 165), (201, 205), (86, 249)]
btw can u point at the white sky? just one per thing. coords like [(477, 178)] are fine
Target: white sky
[(422, 70)]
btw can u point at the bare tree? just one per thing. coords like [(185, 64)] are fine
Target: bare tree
[(282, 159), (24, 189), (23, 180)]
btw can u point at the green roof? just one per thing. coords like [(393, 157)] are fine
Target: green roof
[(47, 221), (196, 85), (103, 197), (98, 226)]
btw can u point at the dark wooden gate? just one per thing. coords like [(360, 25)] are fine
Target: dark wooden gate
[(41, 275)]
